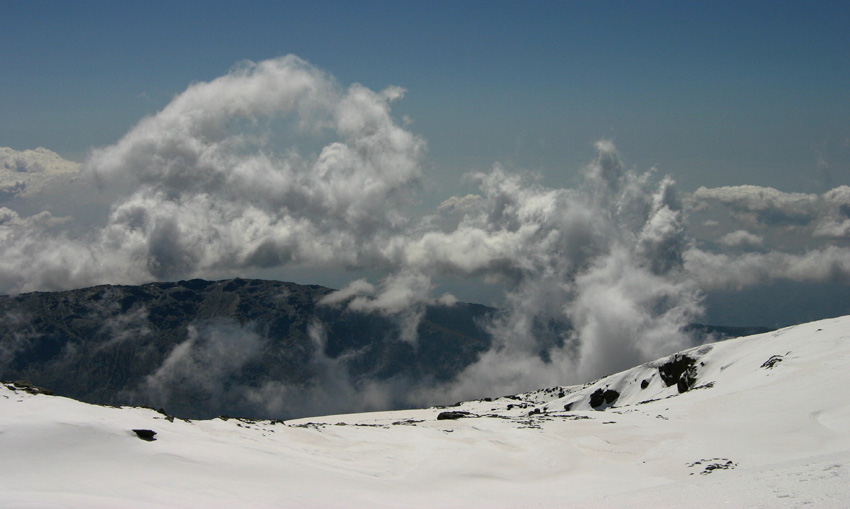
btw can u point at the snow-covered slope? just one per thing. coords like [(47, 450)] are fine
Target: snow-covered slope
[(763, 421)]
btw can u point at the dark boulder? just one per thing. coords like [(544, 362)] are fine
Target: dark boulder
[(676, 365), (145, 434), (601, 397), (688, 380), (452, 415)]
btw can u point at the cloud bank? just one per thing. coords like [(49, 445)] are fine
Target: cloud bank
[(275, 164), (809, 235)]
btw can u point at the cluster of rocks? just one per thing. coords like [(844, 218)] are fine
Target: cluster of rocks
[(27, 387), (681, 370)]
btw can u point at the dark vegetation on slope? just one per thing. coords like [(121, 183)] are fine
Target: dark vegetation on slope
[(99, 344)]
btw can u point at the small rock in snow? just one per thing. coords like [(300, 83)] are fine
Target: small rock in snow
[(145, 434)]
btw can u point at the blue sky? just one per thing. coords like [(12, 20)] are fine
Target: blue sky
[(717, 95), (713, 93)]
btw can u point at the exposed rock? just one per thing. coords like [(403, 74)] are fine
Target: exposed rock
[(718, 466), (674, 368), (145, 434), (773, 361), (687, 380), (28, 387), (680, 369), (452, 415), (408, 422), (710, 465), (601, 397)]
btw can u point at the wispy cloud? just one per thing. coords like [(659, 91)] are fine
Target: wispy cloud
[(741, 238), (199, 372)]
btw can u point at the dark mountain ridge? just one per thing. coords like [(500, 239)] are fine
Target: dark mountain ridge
[(103, 344), (205, 348)]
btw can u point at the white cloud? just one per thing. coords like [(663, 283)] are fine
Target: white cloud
[(775, 220), (836, 221), (766, 204), (355, 288), (27, 172), (725, 271), (200, 367), (833, 229), (596, 274), (767, 208), (331, 390), (402, 296), (190, 148), (399, 292), (741, 238)]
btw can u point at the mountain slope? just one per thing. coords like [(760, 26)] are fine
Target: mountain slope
[(203, 348), (763, 422), (252, 348)]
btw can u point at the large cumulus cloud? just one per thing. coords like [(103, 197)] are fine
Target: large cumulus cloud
[(213, 196), (214, 191), (595, 274)]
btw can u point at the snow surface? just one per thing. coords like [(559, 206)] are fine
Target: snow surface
[(751, 433)]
